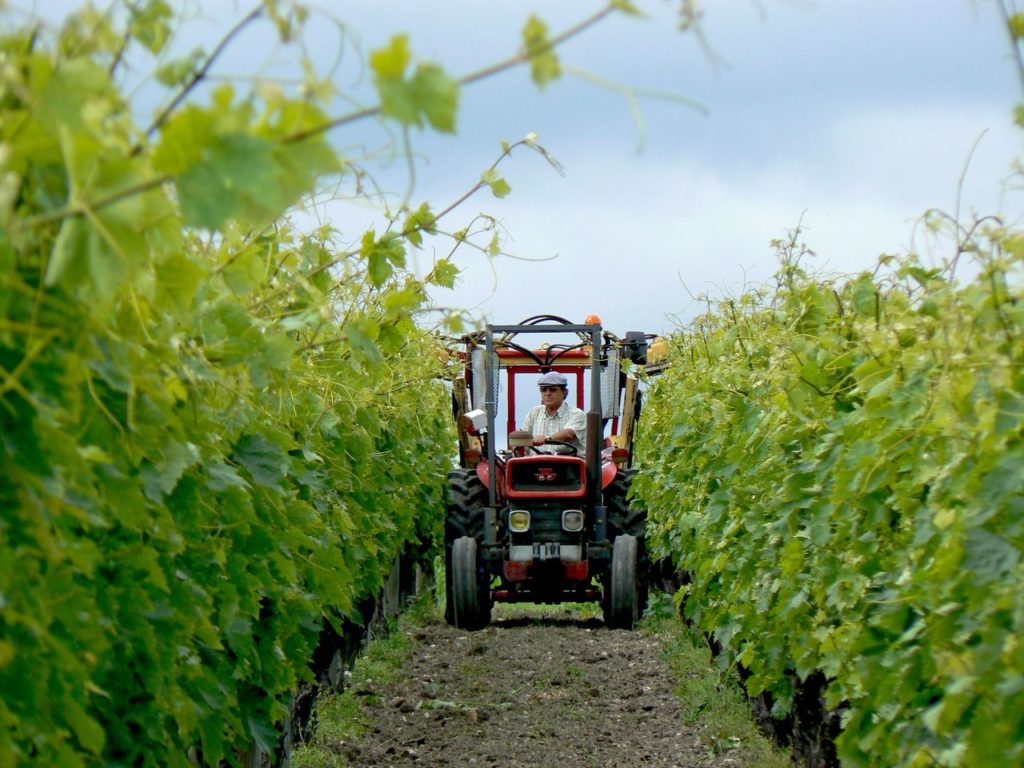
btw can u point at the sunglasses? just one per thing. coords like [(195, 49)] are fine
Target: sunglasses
[(550, 389)]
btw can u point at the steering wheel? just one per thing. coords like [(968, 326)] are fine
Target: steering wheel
[(570, 446)]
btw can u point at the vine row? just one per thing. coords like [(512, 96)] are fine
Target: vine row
[(217, 431), (836, 464)]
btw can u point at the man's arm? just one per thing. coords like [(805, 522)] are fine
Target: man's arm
[(566, 435), (563, 435), (574, 430)]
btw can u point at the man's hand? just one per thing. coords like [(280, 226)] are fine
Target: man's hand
[(539, 439)]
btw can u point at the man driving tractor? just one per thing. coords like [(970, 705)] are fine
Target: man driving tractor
[(548, 519), (555, 418)]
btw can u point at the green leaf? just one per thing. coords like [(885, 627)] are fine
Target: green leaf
[(300, 163), (382, 256), (544, 65), (224, 476), (436, 96), (178, 279), (390, 339), (278, 350), (989, 557), (1016, 25), (223, 173), (245, 271), (150, 24), (864, 295), (419, 221), (266, 463), (66, 94), (429, 93), (361, 336), (379, 268), (68, 262), (390, 63), (109, 265), (274, 354), (924, 277), (236, 180), (176, 71), (86, 729), (444, 273), (7, 652), (496, 182), (627, 7), (500, 188), (182, 139), (286, 23), (161, 477), (264, 734)]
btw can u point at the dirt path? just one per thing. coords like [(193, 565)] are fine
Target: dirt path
[(554, 690)]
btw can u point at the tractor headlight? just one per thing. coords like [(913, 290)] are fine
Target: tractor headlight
[(519, 521), (572, 520)]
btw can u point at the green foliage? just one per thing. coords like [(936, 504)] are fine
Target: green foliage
[(1016, 24), (494, 180), (544, 64), (838, 465), (217, 432), (429, 93), (150, 24)]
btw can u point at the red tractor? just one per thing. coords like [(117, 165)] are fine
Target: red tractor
[(528, 525)]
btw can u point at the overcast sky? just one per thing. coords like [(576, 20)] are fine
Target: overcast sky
[(852, 116)]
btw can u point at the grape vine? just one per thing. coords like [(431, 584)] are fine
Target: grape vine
[(837, 464), (218, 431)]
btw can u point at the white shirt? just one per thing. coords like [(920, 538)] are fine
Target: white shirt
[(540, 424)]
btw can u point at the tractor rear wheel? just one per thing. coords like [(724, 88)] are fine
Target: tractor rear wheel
[(471, 604), (467, 500), (622, 587)]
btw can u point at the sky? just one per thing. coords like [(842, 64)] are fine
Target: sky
[(850, 118)]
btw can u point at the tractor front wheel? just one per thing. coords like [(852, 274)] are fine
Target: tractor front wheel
[(629, 516), (467, 501), (471, 600), (622, 599)]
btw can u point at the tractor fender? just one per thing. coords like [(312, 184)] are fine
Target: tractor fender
[(483, 472), (608, 471)]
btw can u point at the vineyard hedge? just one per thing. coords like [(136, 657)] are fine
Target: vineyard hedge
[(839, 467), (217, 433)]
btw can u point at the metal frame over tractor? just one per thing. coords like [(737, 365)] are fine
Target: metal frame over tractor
[(529, 526)]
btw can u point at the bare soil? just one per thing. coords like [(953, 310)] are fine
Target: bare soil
[(551, 689)]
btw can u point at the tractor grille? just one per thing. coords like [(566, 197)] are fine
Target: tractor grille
[(546, 524), (541, 476)]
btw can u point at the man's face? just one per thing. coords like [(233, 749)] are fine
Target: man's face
[(551, 397)]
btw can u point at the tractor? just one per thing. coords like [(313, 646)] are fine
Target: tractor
[(544, 524)]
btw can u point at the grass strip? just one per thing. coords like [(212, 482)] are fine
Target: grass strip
[(708, 695)]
